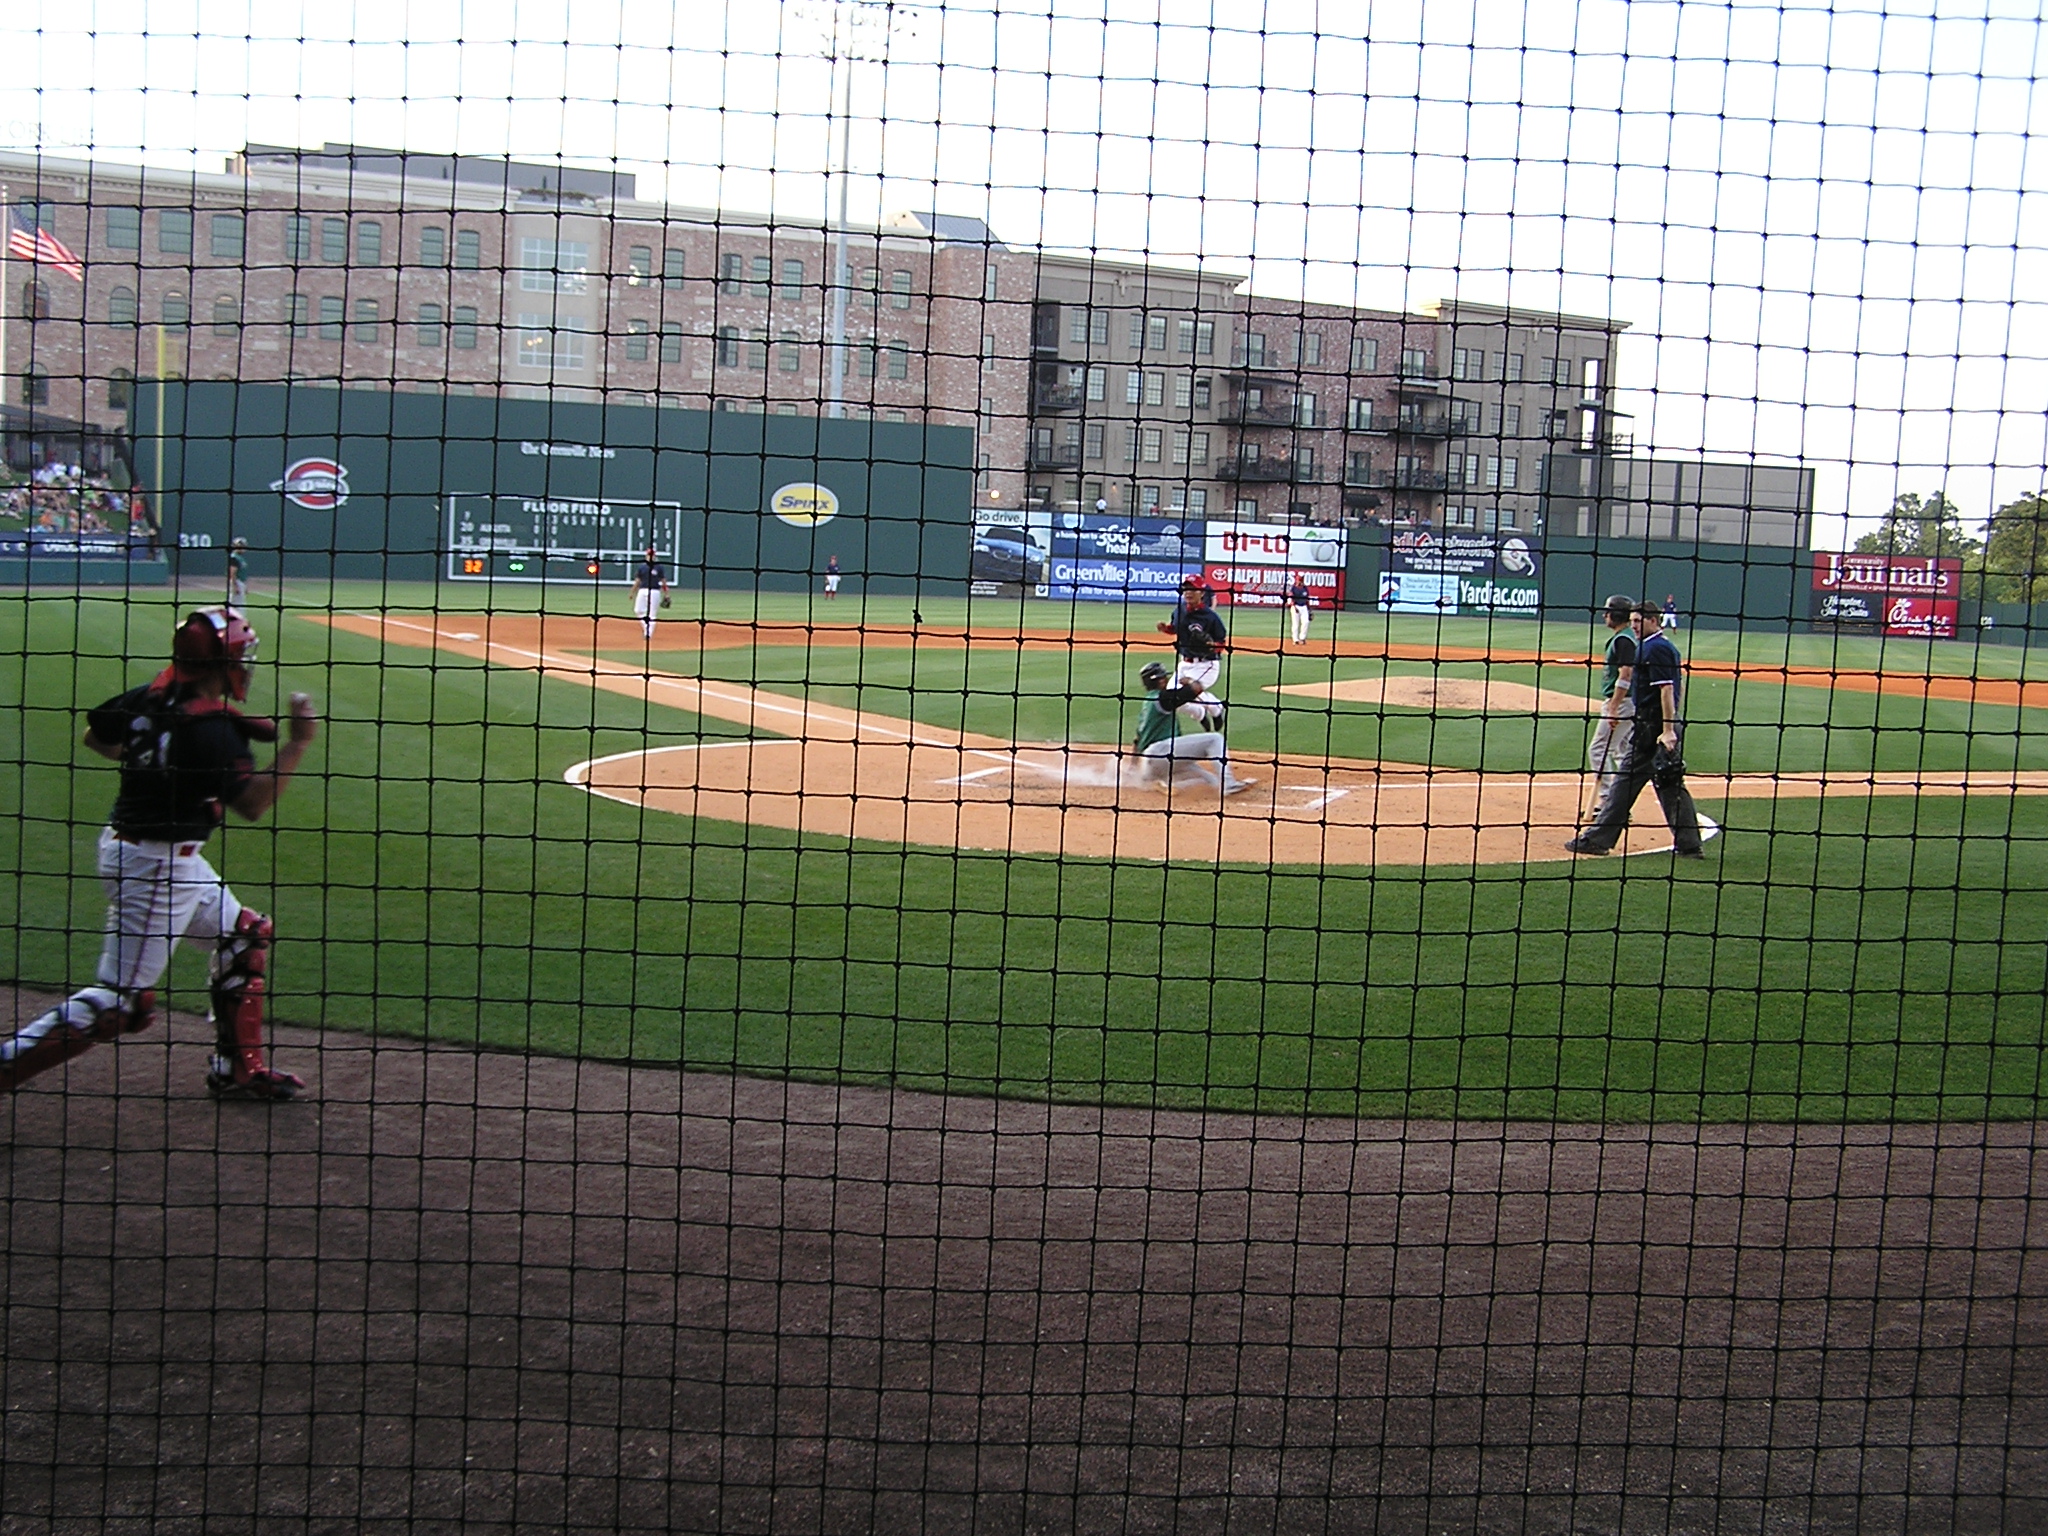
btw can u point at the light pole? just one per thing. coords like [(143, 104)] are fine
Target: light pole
[(853, 31)]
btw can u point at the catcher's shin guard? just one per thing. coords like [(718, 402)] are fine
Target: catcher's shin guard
[(239, 1070), (71, 1029)]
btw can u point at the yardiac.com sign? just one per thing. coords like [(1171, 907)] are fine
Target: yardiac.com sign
[(1906, 595)]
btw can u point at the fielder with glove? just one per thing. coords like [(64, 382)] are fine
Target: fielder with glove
[(184, 751)]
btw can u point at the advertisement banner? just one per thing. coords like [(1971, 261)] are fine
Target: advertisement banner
[(58, 544), (1478, 574), (1098, 557), (1254, 564), (1912, 596), (1010, 552)]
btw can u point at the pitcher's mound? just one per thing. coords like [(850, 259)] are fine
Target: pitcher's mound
[(1447, 693)]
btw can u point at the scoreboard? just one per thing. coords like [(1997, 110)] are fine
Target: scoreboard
[(546, 538)]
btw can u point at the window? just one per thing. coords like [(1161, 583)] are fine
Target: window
[(462, 328), (671, 268), (1461, 517), (671, 342), (332, 313), (35, 386), (1312, 348), (636, 341), (298, 237), (1511, 420), (366, 321), (1468, 363), (1561, 371), (1180, 447), (35, 300), (1365, 354), (1510, 472), (427, 332), (762, 268), (1358, 415), (729, 346), (1077, 330), (899, 359), (433, 246), (298, 313), (1198, 501), (1155, 333), (1183, 390), (553, 266), (1507, 517), (899, 290), (1255, 349), (757, 351), (1415, 362), (1098, 327), (369, 244), (229, 240), (1513, 371), (1304, 464), (1152, 441), (1305, 409), (792, 280), (174, 231), (120, 390), (1202, 392), (177, 312), (1098, 384), (121, 307), (1148, 498), (988, 345), (864, 356), (1155, 389), (1184, 336), (1464, 416), (1134, 386), (1136, 340), (730, 265), (1198, 449), (469, 249), (122, 228), (1205, 338), (1092, 440), (227, 316), (789, 353), (334, 241), (549, 347), (988, 284), (639, 265)]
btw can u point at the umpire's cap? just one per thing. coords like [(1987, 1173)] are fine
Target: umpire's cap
[(1621, 607)]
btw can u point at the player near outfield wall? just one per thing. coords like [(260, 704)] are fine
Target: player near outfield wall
[(184, 751)]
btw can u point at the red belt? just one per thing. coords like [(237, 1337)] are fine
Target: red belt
[(177, 850)]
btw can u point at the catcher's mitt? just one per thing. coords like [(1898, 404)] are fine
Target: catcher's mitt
[(667, 601)]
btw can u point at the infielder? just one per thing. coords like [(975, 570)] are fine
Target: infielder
[(1199, 641), (184, 755), (650, 592), (1159, 738)]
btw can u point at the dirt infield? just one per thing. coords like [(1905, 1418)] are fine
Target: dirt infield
[(481, 1293), (848, 773)]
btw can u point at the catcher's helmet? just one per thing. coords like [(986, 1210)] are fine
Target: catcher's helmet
[(214, 640), (1152, 675)]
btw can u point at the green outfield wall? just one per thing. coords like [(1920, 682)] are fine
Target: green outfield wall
[(391, 473)]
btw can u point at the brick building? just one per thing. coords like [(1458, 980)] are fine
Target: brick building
[(1146, 387)]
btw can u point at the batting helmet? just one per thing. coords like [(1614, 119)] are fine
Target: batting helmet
[(1152, 675), (214, 640)]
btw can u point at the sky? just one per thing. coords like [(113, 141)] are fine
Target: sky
[(1823, 222)]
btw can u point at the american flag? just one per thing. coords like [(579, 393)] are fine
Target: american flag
[(31, 242)]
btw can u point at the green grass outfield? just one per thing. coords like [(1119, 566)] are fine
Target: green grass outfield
[(431, 873)]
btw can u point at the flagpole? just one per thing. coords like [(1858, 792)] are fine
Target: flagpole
[(7, 213)]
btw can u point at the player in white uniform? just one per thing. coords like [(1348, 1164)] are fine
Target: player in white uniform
[(185, 760), (1199, 640), (650, 592)]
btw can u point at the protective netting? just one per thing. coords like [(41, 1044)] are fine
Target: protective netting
[(939, 767)]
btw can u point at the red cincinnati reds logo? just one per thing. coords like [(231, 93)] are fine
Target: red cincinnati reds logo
[(319, 485)]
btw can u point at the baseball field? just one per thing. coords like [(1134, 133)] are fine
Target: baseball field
[(878, 844)]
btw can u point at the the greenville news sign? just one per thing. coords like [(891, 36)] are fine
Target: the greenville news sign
[(1446, 572), (1906, 595)]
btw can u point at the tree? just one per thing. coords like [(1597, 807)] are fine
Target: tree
[(1928, 528), (2016, 555)]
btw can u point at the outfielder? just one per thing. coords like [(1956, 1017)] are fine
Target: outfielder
[(184, 755), (650, 592), (1300, 605), (1199, 641), (1159, 739)]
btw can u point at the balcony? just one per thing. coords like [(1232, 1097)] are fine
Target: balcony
[(1414, 380), (1400, 478), (1266, 471), (1243, 413), (1426, 424), (1046, 456), (1050, 399)]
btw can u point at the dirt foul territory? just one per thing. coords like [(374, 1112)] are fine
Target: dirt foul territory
[(849, 773)]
